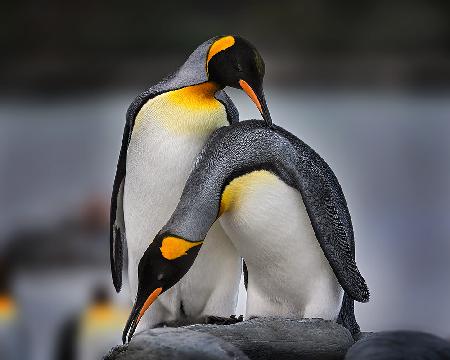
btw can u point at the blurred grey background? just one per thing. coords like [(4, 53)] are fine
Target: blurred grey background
[(365, 83)]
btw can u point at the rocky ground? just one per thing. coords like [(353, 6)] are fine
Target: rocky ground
[(272, 338)]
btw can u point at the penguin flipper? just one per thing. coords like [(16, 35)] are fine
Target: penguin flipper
[(330, 218), (230, 108), (117, 224), (245, 271), (328, 212)]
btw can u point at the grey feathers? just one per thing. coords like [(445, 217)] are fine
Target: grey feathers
[(250, 145), (329, 216)]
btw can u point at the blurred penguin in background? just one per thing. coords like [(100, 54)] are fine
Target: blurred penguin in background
[(12, 345), (91, 333)]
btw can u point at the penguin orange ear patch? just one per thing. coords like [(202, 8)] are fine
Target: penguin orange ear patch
[(173, 247), (220, 45)]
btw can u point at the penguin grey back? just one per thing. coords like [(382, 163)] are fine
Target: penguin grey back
[(251, 145)]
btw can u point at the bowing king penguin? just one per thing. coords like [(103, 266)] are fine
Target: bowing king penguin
[(165, 129), (284, 211)]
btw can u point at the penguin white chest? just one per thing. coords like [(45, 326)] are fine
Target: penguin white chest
[(169, 132), (288, 273)]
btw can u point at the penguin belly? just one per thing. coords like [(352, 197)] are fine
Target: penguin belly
[(159, 159), (288, 274)]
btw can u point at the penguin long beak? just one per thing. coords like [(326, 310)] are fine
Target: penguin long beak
[(136, 314), (258, 98)]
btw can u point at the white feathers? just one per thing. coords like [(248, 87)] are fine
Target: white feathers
[(159, 160), (288, 272)]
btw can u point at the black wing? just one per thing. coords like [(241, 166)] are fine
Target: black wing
[(329, 215), (117, 224)]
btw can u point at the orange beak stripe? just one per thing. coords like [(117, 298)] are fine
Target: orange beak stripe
[(148, 302), (246, 87)]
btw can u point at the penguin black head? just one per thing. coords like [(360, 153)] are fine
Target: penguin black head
[(164, 263), (233, 61)]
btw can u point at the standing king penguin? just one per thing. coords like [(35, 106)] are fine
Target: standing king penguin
[(165, 129), (283, 209)]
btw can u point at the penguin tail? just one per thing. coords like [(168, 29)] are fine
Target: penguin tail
[(346, 316)]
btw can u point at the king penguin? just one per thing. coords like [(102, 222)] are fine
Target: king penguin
[(165, 129), (284, 211)]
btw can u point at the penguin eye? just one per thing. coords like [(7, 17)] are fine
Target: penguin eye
[(160, 276)]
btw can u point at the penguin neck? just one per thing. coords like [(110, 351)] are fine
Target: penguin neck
[(192, 110), (197, 209)]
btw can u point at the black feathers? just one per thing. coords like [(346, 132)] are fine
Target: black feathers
[(115, 232)]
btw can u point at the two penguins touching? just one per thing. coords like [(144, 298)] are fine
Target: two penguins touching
[(196, 191)]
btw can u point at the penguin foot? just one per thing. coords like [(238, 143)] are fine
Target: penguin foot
[(219, 320)]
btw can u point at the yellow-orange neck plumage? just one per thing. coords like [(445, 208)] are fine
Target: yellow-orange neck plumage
[(192, 110)]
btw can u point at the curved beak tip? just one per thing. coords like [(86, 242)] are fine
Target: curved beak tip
[(136, 314), (259, 99)]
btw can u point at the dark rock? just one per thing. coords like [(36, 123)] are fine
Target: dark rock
[(269, 338), (259, 338), (176, 344), (362, 335), (399, 345)]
